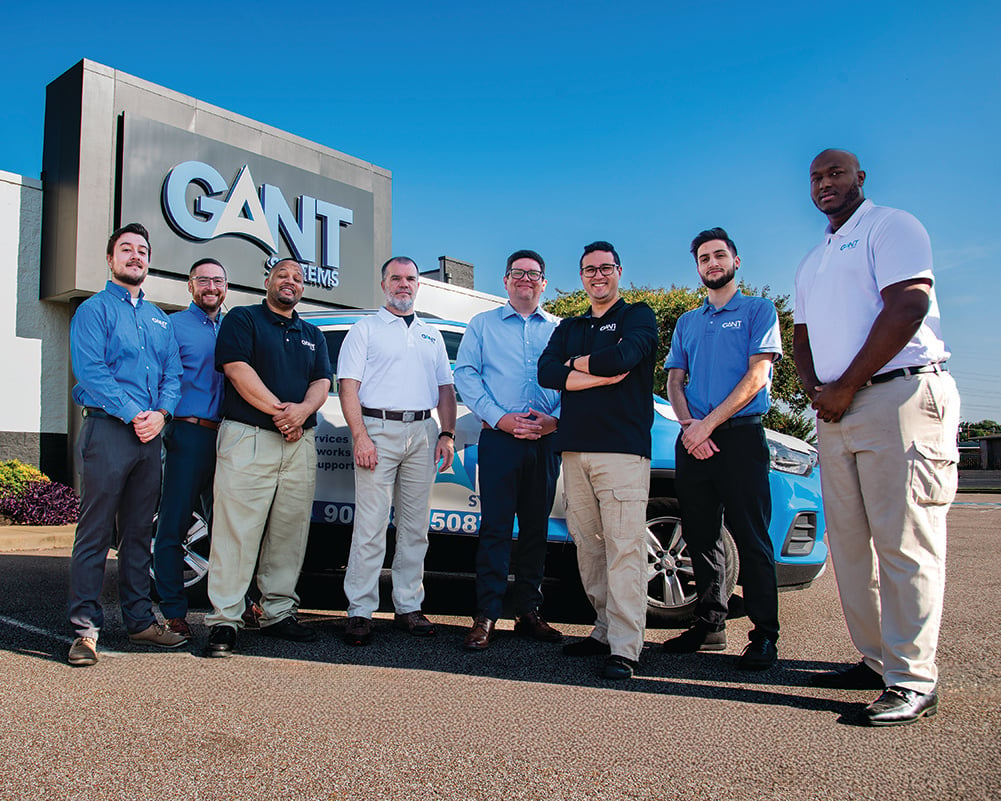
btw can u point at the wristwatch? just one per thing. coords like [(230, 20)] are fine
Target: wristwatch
[(448, 434), (167, 416), (572, 360)]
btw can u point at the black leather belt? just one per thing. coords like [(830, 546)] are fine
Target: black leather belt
[(882, 378), (733, 422), (403, 417), (93, 411)]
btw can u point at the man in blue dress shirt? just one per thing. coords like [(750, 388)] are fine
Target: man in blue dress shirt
[(190, 438), (128, 371), (496, 374), (725, 350)]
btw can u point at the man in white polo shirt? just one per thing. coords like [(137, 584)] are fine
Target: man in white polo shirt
[(393, 370), (868, 347)]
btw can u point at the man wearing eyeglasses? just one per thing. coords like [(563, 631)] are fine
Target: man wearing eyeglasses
[(190, 438), (603, 363), (496, 374)]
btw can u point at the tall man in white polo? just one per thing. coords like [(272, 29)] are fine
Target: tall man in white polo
[(869, 350), (392, 371)]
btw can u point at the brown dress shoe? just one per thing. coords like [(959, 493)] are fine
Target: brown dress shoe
[(415, 623), (358, 631), (479, 636), (178, 625), (532, 625)]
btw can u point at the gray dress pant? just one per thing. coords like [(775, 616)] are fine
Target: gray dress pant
[(119, 485)]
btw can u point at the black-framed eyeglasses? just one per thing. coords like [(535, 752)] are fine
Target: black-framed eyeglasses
[(204, 281), (604, 269), (531, 275)]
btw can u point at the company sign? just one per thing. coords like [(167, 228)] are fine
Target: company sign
[(201, 197)]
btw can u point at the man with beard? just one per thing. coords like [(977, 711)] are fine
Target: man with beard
[(603, 363), (393, 370), (189, 439), (718, 381), (277, 376), (868, 347), (496, 373), (129, 376)]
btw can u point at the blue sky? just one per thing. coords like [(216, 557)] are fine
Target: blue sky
[(549, 125)]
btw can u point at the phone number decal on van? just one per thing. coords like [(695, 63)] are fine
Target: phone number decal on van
[(455, 522)]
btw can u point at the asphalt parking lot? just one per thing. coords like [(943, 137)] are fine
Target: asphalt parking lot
[(421, 719)]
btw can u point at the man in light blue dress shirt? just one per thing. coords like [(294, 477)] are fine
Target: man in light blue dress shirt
[(128, 376), (190, 438), (495, 373)]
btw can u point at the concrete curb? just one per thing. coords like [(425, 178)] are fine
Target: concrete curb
[(35, 538)]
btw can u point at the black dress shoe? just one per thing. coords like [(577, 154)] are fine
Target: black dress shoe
[(856, 677), (618, 667), (222, 640), (898, 706), (587, 647), (760, 654), (697, 638), (288, 628)]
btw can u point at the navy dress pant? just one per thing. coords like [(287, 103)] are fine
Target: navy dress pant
[(732, 484), (187, 480), (517, 479)]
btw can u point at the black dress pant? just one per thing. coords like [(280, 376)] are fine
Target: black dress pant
[(732, 484)]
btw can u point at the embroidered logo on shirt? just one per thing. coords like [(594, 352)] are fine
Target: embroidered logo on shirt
[(429, 338), (308, 344), (849, 245), (159, 322), (607, 327), (732, 324)]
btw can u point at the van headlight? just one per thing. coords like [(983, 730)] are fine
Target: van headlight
[(787, 460)]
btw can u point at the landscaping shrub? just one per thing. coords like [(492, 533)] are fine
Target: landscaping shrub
[(15, 476), (41, 503)]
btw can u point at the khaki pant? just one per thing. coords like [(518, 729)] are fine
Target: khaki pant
[(888, 471), (606, 514), (263, 494), (401, 480)]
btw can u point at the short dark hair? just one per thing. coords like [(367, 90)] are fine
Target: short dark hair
[(525, 254), (708, 236), (131, 228), (207, 260), (603, 246), (391, 259)]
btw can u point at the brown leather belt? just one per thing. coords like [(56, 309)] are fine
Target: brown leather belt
[(403, 417), (200, 421)]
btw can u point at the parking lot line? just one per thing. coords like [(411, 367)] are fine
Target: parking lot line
[(51, 634)]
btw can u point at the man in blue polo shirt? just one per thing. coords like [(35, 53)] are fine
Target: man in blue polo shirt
[(189, 439), (277, 377), (128, 371), (725, 350)]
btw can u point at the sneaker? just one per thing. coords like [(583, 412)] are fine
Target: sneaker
[(83, 652), (159, 636), (760, 654), (415, 623), (178, 625), (697, 638), (288, 628), (358, 631)]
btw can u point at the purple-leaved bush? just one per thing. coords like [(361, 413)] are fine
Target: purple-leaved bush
[(42, 503)]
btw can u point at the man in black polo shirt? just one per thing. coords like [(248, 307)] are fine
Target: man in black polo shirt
[(277, 376), (603, 363)]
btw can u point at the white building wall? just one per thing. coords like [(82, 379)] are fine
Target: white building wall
[(33, 334)]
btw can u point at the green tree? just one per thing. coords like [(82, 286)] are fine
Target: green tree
[(788, 412), (968, 431)]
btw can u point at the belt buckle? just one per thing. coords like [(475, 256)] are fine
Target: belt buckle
[(409, 417)]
